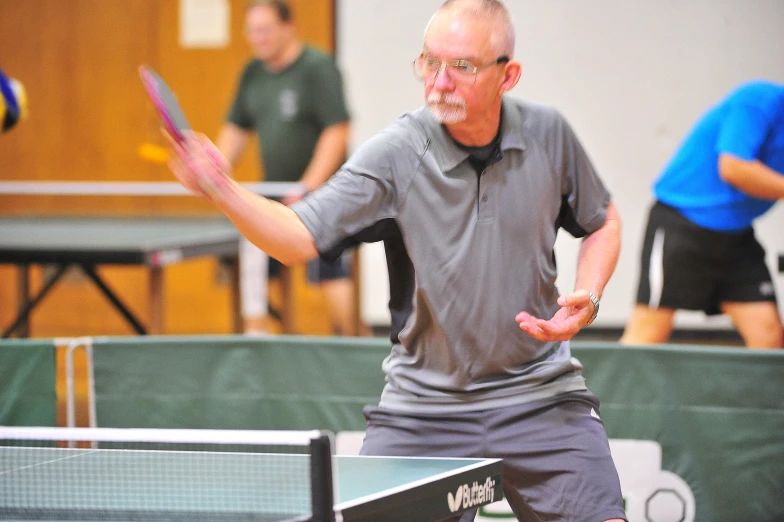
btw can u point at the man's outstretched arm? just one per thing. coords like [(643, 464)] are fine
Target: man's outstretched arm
[(274, 228)]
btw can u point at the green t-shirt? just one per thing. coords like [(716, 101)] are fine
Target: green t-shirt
[(289, 109)]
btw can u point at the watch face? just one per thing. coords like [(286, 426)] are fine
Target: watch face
[(595, 303)]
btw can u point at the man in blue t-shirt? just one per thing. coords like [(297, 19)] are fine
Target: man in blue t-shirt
[(700, 252)]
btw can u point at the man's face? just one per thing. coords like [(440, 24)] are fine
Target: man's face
[(454, 98), (267, 34)]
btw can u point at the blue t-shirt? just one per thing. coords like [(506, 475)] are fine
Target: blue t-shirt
[(749, 124)]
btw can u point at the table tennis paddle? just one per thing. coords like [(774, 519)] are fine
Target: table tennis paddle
[(165, 102)]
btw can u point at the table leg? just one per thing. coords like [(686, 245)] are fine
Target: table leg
[(24, 297), (92, 272), (156, 305), (355, 276), (233, 265), (26, 306), (289, 299)]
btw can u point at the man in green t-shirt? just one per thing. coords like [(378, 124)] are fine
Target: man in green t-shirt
[(291, 96)]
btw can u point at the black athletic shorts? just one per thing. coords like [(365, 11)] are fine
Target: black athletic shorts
[(685, 266)]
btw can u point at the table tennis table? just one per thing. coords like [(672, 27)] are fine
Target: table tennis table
[(371, 489), (90, 242)]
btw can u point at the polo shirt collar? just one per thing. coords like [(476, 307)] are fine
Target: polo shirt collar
[(449, 155), (512, 128)]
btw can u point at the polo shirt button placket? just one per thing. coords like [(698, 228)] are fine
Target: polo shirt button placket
[(482, 195)]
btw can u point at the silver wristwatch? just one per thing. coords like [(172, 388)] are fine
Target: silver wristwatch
[(595, 301)]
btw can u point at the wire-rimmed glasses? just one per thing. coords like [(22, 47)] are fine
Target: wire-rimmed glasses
[(427, 67)]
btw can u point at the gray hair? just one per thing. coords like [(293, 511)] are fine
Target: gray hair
[(494, 10)]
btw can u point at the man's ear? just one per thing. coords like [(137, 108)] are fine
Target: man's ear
[(512, 72)]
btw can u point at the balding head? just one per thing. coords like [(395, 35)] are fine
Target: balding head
[(502, 38)]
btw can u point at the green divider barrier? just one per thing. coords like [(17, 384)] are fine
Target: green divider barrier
[(237, 382), (716, 413), (28, 396)]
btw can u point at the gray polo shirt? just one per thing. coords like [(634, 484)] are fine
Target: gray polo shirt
[(469, 252)]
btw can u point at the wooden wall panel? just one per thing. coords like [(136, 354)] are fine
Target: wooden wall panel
[(78, 61)]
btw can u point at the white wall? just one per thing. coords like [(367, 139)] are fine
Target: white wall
[(631, 76)]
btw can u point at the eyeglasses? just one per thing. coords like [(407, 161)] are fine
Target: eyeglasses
[(427, 68), (259, 31)]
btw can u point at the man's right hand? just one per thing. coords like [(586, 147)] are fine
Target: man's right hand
[(199, 166)]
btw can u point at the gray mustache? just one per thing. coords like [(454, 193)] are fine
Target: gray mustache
[(446, 98)]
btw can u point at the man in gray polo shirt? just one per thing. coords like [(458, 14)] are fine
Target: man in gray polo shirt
[(468, 194)]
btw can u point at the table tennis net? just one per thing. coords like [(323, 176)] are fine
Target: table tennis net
[(150, 475)]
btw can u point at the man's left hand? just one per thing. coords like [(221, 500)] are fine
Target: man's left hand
[(575, 313)]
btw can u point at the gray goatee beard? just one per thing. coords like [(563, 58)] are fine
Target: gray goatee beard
[(447, 108)]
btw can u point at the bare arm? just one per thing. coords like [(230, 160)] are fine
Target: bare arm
[(232, 142), (752, 177), (270, 225), (596, 262), (599, 254), (328, 155)]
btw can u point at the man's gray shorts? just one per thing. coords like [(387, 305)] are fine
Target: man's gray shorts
[(557, 462)]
